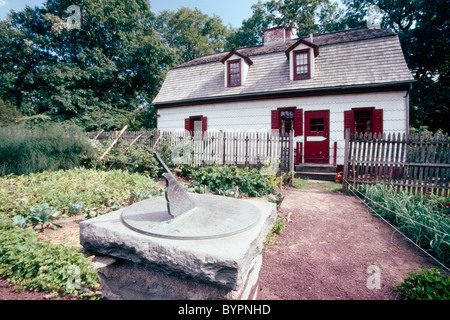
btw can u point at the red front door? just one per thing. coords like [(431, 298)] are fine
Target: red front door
[(317, 141)]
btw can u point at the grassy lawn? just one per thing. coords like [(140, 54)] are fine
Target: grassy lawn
[(306, 184)]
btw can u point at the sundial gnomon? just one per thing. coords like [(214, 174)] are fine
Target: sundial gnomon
[(188, 216)]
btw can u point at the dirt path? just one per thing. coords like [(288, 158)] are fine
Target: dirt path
[(328, 247)]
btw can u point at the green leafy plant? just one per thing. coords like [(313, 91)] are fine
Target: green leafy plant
[(42, 215), (430, 284), (95, 189), (76, 208), (233, 181), (41, 266), (280, 226)]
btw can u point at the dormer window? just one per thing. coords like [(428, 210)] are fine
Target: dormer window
[(236, 68), (302, 55), (234, 73), (302, 64)]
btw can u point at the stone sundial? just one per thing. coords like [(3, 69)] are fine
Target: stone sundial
[(188, 216)]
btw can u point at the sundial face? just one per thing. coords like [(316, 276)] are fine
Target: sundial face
[(184, 216)]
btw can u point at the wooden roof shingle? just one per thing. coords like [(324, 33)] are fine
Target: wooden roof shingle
[(355, 57)]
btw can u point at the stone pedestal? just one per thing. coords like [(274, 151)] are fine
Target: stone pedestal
[(156, 268)]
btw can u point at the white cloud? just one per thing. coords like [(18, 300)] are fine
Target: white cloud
[(3, 3)]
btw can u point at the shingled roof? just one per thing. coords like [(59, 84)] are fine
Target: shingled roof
[(349, 58)]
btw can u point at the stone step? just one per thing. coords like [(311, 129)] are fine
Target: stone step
[(311, 167), (321, 176)]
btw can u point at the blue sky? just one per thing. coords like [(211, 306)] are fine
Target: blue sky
[(231, 12)]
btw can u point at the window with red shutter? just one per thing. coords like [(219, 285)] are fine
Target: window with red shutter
[(187, 124), (275, 120), (284, 120), (204, 124), (378, 121), (298, 122), (349, 121), (364, 120), (196, 124)]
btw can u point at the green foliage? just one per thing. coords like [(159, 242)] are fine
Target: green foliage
[(430, 284), (280, 226), (41, 214), (191, 33), (233, 181), (92, 76), (143, 119), (423, 30), (306, 16), (76, 208), (8, 113), (26, 150), (137, 158), (96, 191), (422, 218), (42, 266), (29, 199)]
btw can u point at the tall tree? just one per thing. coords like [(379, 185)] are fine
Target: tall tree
[(192, 34), (251, 31), (93, 73), (306, 16), (423, 29)]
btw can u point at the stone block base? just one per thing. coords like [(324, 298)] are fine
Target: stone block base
[(125, 280)]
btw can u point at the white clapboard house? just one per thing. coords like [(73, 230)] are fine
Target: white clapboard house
[(318, 86)]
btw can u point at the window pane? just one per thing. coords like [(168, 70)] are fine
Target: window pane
[(363, 121), (317, 125), (234, 73), (287, 121), (197, 125), (301, 64)]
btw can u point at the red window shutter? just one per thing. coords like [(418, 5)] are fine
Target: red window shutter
[(187, 124), (349, 121), (275, 120), (378, 121), (204, 124), (298, 122)]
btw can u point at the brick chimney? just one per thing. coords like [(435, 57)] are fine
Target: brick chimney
[(277, 35)]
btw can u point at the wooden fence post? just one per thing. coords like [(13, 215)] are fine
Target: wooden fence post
[(291, 153), (112, 145), (346, 160)]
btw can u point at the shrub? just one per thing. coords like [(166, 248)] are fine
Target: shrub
[(26, 150), (8, 112), (233, 181), (430, 284)]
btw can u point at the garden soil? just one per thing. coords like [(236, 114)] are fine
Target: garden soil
[(331, 249)]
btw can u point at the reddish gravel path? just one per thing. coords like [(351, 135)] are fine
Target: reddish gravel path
[(327, 248)]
